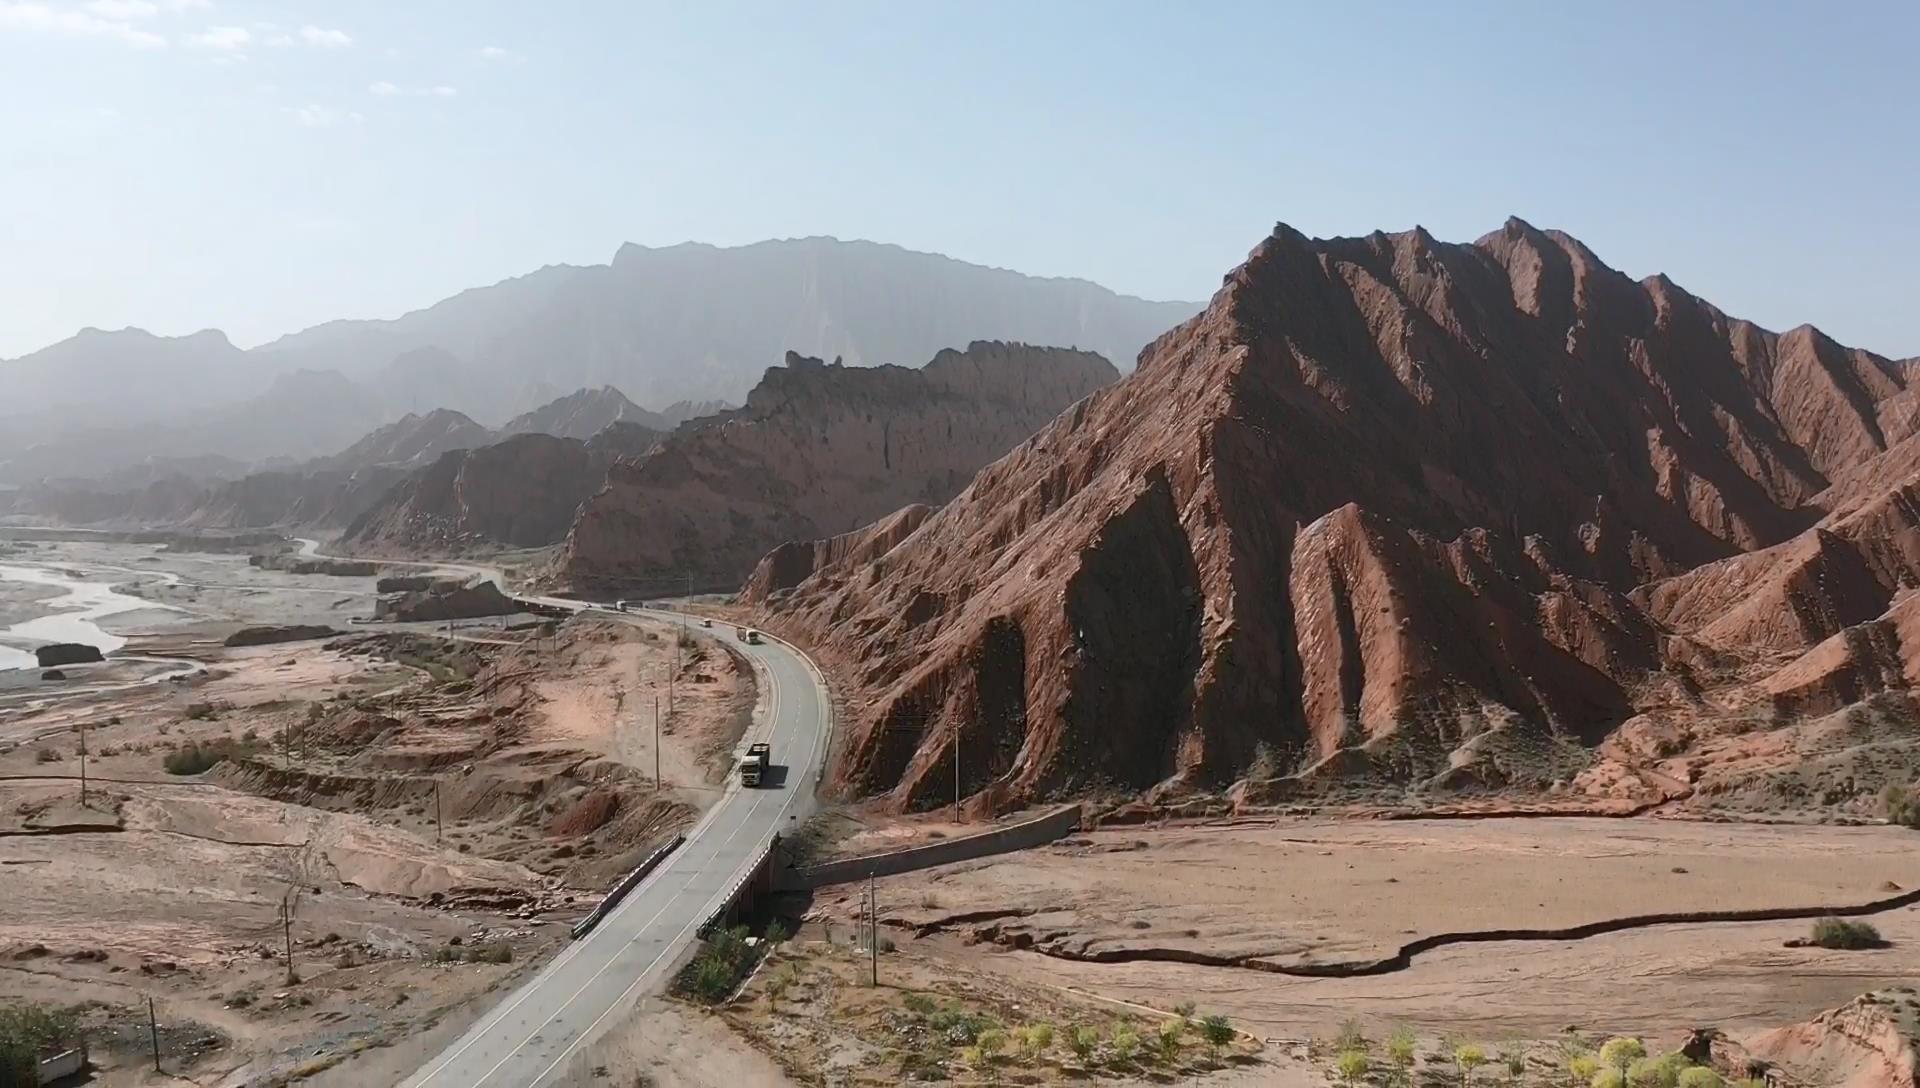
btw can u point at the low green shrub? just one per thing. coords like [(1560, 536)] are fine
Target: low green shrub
[(1841, 933)]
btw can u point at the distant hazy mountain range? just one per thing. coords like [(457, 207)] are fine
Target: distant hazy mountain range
[(687, 323)]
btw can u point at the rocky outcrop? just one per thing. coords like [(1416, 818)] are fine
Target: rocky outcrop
[(1867, 1043), (56, 654), (797, 560), (270, 635), (1389, 507), (457, 601), (584, 414), (819, 449), (523, 492), (411, 440), (294, 563)]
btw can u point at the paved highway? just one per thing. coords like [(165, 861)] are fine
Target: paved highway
[(528, 1038)]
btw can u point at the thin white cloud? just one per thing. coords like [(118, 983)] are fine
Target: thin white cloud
[(318, 116), (493, 54), (123, 9), (385, 89), (32, 17), (223, 38), (126, 10), (324, 38)]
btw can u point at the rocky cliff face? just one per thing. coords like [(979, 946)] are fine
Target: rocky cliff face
[(1429, 512), (584, 414), (523, 492), (818, 449)]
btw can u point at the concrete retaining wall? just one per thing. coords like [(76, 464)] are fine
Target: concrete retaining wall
[(1038, 831), (627, 884), (746, 889)]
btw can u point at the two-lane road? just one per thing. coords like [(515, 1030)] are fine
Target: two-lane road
[(526, 1040), (530, 1036)]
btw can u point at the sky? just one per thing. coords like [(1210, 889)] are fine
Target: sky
[(259, 166)]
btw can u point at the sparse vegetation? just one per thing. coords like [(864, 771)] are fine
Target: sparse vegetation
[(1351, 1037), (1901, 805), (1033, 1040), (1845, 934), (28, 1031), (718, 968), (1620, 1052), (1400, 1051), (1469, 1057), (1166, 1041), (1083, 1041), (1218, 1032), (1352, 1065), (1125, 1044), (1700, 1076), (198, 758), (46, 755)]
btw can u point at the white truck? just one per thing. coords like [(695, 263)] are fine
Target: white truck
[(753, 765)]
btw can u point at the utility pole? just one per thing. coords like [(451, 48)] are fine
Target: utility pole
[(82, 727), (873, 932), (656, 744), (153, 1028), (956, 770)]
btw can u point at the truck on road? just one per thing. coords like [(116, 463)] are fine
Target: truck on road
[(753, 765)]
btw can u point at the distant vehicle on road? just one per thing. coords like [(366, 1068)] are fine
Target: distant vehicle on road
[(619, 606), (753, 637), (706, 623), (753, 765)]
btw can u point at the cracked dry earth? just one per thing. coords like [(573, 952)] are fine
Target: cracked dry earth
[(1311, 895)]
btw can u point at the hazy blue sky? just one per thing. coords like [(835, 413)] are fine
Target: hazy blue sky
[(261, 166)]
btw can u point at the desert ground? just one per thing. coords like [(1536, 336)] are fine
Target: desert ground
[(1291, 892), (436, 808), (438, 805)]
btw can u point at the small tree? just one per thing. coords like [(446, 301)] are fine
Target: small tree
[(1620, 1052), (1608, 1078), (1469, 1057), (1700, 1076), (1217, 1030), (1034, 1039), (1515, 1060), (1083, 1041), (1901, 806), (1126, 1043), (1352, 1065), (1400, 1050), (1351, 1037), (990, 1043), (1185, 1010), (1581, 1068), (1166, 1041)]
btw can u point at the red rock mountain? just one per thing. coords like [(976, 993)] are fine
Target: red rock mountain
[(523, 492), (1442, 513), (818, 449)]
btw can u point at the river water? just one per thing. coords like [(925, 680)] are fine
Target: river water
[(74, 617)]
